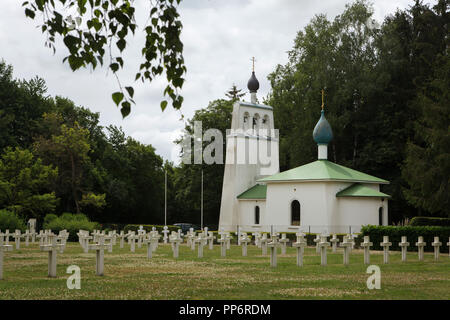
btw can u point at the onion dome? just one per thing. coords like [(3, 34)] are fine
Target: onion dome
[(253, 83), (322, 133)]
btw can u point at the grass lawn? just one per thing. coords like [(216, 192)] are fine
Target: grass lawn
[(133, 276)]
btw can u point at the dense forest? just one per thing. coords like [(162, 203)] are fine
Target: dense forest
[(387, 100)]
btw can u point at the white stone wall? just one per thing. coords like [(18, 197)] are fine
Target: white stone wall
[(240, 177), (247, 212), (360, 211), (321, 210)]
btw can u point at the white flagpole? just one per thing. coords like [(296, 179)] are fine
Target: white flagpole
[(201, 206), (165, 198)]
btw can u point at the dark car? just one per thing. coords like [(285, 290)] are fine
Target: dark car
[(186, 226)]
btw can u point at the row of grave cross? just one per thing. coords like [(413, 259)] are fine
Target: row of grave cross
[(48, 241), (99, 241)]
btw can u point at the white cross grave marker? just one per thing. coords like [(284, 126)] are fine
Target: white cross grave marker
[(165, 231), (436, 244), (323, 244), (346, 244), (17, 235), (27, 237), (210, 238), (316, 241), (83, 238), (155, 236), (7, 235), (99, 248), (420, 246), (175, 239), (150, 242), (121, 236), (141, 236), (257, 236), (223, 244), (132, 241), (300, 244), (3, 247), (283, 242), (201, 242), (110, 239), (41, 237), (366, 245), (263, 242), (448, 245), (52, 249), (385, 244), (334, 241), (228, 237), (244, 242), (273, 245), (404, 245)]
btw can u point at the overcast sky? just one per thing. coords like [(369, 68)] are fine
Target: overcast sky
[(219, 36)]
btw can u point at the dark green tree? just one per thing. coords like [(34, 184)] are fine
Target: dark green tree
[(234, 93), (427, 164), (187, 177)]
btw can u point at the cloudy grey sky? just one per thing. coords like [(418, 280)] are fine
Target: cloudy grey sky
[(219, 36)]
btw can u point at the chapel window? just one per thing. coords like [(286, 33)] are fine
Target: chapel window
[(295, 213)]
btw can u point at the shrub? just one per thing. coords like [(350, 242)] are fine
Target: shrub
[(10, 221), (71, 222), (49, 218), (412, 233), (430, 221)]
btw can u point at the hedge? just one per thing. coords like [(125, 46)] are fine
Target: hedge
[(10, 221), (430, 221), (412, 233), (148, 227), (70, 222)]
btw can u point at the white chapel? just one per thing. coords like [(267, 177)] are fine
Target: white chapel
[(321, 196)]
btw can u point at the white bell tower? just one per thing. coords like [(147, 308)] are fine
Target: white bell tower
[(251, 153)]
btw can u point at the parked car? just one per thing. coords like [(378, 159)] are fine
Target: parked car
[(186, 226)]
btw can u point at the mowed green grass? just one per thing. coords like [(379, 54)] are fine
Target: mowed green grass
[(132, 276)]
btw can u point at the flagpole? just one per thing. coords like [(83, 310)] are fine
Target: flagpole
[(165, 198), (201, 206)]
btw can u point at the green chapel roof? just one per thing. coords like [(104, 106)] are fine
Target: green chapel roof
[(258, 191), (359, 190), (323, 170)]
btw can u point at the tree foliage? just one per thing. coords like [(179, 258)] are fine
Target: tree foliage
[(372, 77), (96, 32), (26, 184), (187, 177), (112, 178)]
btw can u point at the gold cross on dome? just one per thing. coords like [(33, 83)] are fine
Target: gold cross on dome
[(323, 94), (253, 63)]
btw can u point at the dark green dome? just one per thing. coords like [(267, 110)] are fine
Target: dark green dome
[(322, 133)]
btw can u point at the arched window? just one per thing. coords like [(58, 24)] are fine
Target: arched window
[(265, 122), (255, 123), (246, 123), (380, 216), (295, 213), (257, 215)]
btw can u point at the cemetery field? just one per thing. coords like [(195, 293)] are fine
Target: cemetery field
[(133, 276)]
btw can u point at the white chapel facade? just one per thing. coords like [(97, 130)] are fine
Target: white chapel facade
[(320, 196)]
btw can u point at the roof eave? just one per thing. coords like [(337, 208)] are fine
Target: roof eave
[(323, 180), (362, 196)]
